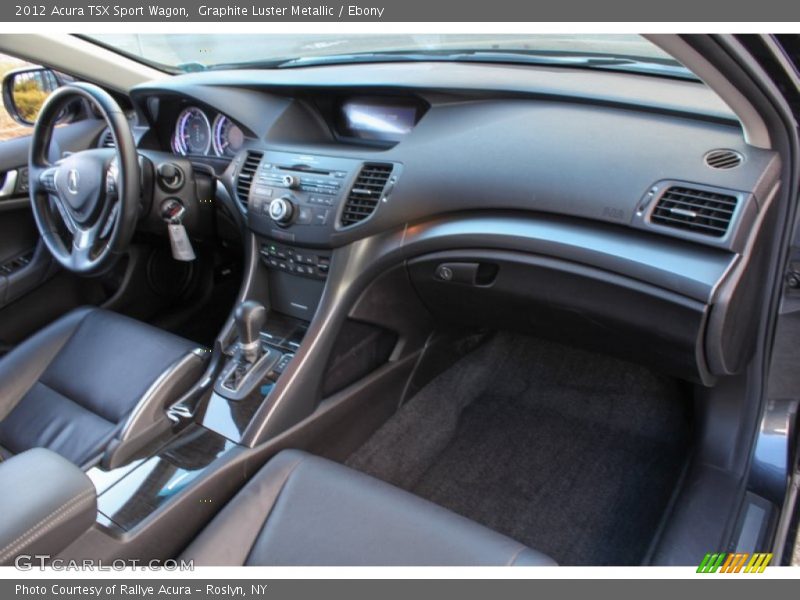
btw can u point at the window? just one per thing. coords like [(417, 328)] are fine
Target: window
[(193, 52)]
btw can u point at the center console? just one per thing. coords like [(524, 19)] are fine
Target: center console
[(298, 207), (294, 205), (265, 344)]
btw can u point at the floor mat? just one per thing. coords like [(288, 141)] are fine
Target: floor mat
[(572, 453)]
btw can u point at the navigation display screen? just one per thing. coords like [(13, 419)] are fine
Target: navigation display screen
[(377, 120)]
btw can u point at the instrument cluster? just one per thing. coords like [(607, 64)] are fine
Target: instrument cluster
[(196, 134)]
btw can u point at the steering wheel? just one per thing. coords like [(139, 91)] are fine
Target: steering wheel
[(94, 193)]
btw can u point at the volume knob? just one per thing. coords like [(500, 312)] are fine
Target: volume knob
[(281, 210), (291, 181)]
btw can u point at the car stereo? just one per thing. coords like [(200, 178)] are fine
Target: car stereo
[(297, 199)]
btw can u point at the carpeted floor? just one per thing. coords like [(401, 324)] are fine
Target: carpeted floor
[(572, 453)]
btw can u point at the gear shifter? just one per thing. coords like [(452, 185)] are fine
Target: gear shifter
[(251, 361), (250, 317)]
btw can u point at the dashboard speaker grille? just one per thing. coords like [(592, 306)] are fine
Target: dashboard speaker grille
[(245, 179), (723, 159), (366, 192), (699, 211)]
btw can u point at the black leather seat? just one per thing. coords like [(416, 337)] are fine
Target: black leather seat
[(72, 386), (304, 510)]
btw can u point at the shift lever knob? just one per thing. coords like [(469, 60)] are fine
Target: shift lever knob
[(250, 317)]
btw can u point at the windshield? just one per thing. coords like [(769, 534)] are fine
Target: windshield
[(195, 52)]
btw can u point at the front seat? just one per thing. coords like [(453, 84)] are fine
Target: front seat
[(305, 510), (72, 386)]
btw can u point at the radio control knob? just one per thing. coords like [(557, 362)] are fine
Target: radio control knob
[(281, 210), (291, 181)]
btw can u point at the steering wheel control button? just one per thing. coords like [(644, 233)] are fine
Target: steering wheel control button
[(281, 210), (48, 180), (112, 174), (170, 176)]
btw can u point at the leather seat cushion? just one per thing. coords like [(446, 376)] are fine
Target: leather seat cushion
[(73, 384), (316, 512)]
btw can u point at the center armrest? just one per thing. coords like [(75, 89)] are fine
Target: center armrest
[(48, 503)]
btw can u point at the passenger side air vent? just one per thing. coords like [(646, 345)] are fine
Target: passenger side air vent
[(698, 211), (245, 178), (723, 159), (366, 192), (107, 139)]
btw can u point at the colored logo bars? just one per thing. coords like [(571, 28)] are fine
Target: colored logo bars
[(728, 562)]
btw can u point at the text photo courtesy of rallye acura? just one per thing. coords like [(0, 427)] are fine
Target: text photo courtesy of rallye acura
[(339, 299), (137, 590)]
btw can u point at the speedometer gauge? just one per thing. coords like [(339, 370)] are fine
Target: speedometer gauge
[(228, 138), (192, 132)]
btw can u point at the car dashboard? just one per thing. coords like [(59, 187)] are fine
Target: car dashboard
[(618, 211)]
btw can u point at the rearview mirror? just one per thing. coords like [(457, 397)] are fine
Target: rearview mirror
[(25, 90)]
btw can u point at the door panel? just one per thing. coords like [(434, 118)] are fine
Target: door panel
[(34, 290)]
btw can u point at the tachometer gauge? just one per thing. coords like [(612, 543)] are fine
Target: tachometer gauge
[(192, 133), (228, 138)]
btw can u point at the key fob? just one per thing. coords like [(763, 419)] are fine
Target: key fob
[(179, 242)]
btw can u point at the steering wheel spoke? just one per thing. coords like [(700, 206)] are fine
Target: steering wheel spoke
[(110, 221), (83, 243), (66, 218)]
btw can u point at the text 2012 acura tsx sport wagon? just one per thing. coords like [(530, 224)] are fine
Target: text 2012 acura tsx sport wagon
[(399, 300)]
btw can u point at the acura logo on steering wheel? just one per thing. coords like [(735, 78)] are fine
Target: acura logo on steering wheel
[(72, 181)]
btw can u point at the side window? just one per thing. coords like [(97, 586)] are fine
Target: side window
[(9, 128)]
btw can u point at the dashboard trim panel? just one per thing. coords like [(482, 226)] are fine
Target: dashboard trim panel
[(672, 265)]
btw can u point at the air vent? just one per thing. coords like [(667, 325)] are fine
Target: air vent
[(107, 139), (365, 193), (246, 174), (723, 159), (699, 211)]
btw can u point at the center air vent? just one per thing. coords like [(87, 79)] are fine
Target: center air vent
[(723, 159), (245, 178), (107, 139), (366, 192), (698, 211)]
